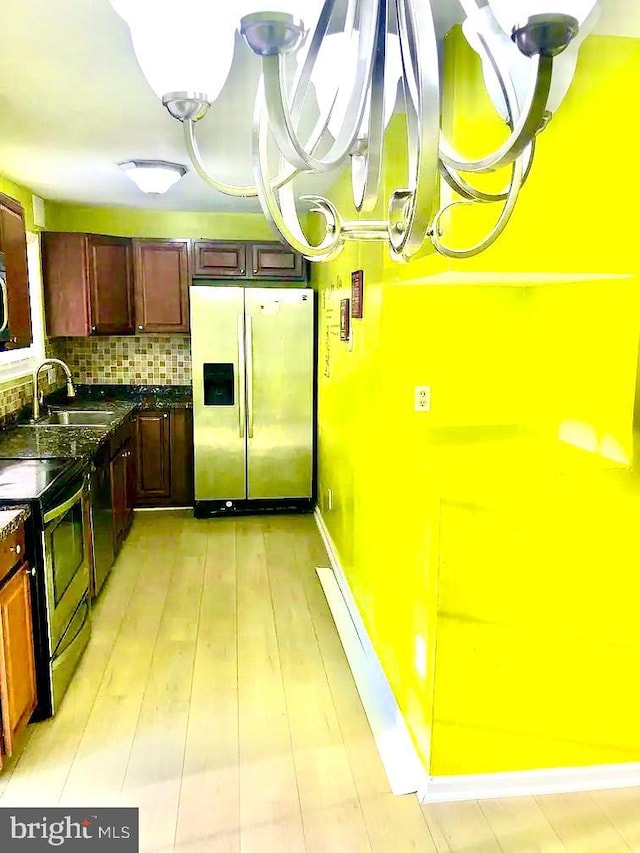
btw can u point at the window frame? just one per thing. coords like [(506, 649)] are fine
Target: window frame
[(19, 363)]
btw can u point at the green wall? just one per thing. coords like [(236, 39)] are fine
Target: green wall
[(498, 530), (130, 222)]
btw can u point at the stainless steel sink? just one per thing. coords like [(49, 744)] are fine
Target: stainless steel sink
[(75, 417)]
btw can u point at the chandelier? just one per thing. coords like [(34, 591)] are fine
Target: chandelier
[(351, 55)]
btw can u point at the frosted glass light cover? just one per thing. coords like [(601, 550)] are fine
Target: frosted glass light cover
[(180, 48), (520, 67), (337, 63), (153, 177), (508, 13), (509, 58)]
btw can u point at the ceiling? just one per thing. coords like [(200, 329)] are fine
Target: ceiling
[(74, 103)]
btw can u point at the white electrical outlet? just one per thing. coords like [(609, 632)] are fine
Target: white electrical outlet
[(422, 398), (421, 656), (330, 499)]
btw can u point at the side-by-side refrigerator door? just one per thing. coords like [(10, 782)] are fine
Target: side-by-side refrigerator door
[(219, 413), (279, 347)]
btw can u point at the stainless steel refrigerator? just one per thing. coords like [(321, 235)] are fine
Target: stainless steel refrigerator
[(253, 378)]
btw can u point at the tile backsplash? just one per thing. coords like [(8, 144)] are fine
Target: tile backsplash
[(137, 360)]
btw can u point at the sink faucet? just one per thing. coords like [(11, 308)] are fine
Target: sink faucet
[(38, 398)]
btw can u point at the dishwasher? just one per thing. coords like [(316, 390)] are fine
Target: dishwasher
[(101, 520)]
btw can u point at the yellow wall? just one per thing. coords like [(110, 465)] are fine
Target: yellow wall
[(483, 524), (129, 222)]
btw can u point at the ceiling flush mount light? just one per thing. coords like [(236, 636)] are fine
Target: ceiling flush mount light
[(347, 54), (153, 176)]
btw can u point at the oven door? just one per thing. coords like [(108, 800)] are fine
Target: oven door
[(66, 561)]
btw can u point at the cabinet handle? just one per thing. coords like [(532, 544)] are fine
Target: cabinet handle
[(93, 329), (140, 328), (165, 415), (255, 272), (16, 549), (32, 572)]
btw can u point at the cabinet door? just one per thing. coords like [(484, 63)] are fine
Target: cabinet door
[(221, 259), (17, 664), (110, 285), (13, 242), (153, 456), (161, 284), (130, 485), (66, 289), (118, 497), (275, 261)]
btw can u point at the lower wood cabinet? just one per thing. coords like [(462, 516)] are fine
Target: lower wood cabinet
[(17, 662), (123, 474), (164, 457)]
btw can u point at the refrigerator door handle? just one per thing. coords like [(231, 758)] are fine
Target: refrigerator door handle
[(249, 356), (240, 377)]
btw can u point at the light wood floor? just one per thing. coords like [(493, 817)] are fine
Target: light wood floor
[(216, 697)]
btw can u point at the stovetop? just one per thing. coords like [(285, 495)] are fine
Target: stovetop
[(32, 479)]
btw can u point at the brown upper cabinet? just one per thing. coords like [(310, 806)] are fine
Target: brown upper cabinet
[(88, 284), (13, 243), (226, 259), (161, 285), (221, 259), (273, 260)]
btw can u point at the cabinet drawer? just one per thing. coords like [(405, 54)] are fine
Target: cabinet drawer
[(222, 259), (11, 551), (273, 260)]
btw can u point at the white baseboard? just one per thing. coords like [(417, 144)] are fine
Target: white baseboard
[(404, 769), (398, 755), (526, 783)]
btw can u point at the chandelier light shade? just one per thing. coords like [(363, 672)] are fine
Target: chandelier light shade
[(175, 54), (353, 54), (153, 176)]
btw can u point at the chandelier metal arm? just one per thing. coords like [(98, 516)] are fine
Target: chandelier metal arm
[(410, 210), (459, 185), (366, 165), (496, 231), (529, 122), (280, 120), (247, 191), (286, 220)]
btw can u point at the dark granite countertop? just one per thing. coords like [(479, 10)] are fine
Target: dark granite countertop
[(49, 442), (11, 518), (144, 396), (64, 442)]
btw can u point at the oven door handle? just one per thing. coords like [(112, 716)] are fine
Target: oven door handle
[(59, 510)]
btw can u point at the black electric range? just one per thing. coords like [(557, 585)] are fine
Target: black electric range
[(27, 480), (58, 550)]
